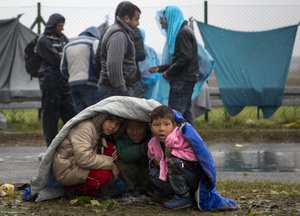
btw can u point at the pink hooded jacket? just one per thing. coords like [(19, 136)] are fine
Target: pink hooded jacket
[(180, 148)]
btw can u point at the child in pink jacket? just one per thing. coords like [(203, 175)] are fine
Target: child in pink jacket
[(174, 168)]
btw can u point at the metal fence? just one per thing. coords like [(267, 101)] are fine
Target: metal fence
[(234, 17)]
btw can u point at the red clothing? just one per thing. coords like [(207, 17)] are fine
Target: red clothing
[(96, 179), (93, 184), (109, 150)]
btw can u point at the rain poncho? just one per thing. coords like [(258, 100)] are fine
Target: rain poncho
[(206, 63), (148, 79)]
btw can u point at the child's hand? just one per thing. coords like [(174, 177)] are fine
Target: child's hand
[(115, 171), (168, 152), (115, 155), (156, 161)]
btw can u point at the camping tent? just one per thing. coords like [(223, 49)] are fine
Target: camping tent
[(15, 83)]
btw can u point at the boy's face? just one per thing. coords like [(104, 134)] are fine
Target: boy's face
[(161, 128), (136, 131), (111, 126)]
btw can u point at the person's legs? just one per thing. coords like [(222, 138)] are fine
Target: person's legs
[(138, 90), (78, 103), (67, 110), (142, 176), (164, 187), (180, 98), (184, 181), (128, 173), (50, 113), (89, 95), (93, 184)]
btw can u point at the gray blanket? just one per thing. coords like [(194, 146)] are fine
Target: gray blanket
[(43, 186)]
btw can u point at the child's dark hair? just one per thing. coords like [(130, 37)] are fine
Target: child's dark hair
[(162, 111)]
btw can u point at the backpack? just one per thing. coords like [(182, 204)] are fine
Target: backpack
[(32, 59)]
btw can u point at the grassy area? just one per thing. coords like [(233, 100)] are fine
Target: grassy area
[(254, 198), (218, 119)]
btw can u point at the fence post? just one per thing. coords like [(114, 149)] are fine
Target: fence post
[(38, 20), (205, 12), (205, 21)]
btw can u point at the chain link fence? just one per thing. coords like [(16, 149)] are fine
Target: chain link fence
[(234, 17)]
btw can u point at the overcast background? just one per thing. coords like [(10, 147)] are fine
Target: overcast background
[(241, 15)]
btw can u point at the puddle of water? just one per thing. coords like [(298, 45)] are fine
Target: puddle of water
[(251, 157)]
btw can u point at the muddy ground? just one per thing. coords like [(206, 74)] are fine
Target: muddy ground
[(254, 198)]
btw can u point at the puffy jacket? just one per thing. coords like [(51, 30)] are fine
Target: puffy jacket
[(77, 154)]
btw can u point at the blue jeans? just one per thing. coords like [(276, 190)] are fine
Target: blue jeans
[(180, 98), (84, 96), (106, 91)]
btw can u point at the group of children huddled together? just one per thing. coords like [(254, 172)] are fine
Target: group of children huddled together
[(107, 156)]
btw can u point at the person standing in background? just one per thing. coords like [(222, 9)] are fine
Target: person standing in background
[(180, 60), (140, 54), (118, 65), (56, 98), (78, 65)]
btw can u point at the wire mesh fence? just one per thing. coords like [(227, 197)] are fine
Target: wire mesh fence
[(234, 17)]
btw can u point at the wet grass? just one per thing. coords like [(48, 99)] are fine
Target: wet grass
[(254, 198), (27, 120), (219, 119)]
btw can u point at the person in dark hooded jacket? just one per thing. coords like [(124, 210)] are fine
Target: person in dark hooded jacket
[(79, 66), (179, 60), (56, 98)]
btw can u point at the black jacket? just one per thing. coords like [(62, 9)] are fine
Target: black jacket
[(48, 48), (184, 65)]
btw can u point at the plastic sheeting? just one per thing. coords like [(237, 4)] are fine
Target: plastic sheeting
[(148, 79), (15, 83), (251, 67)]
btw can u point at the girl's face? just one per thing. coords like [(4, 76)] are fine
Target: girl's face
[(161, 128), (136, 131), (111, 126)]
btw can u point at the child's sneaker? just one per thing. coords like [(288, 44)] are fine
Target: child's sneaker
[(178, 202)]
